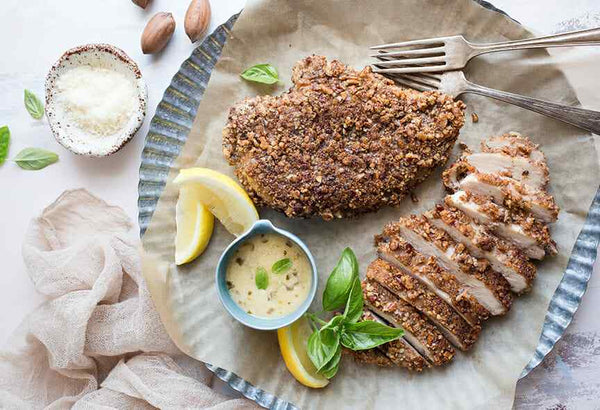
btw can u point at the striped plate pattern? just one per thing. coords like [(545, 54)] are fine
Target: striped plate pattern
[(173, 120), (571, 288), (169, 130)]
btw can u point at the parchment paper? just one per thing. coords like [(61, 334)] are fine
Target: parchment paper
[(283, 32)]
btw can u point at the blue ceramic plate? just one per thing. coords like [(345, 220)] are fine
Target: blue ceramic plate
[(169, 130)]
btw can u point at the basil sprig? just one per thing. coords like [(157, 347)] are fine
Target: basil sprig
[(343, 289), (35, 158), (261, 73), (4, 143), (34, 105)]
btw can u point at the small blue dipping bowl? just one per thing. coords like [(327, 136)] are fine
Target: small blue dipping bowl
[(262, 226)]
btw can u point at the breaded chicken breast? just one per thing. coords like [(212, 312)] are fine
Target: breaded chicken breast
[(340, 142)]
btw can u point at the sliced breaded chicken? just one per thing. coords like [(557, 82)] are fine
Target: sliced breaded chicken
[(453, 326), (524, 231), (513, 144), (400, 352), (371, 356), (511, 170), (511, 194), (503, 256), (403, 255), (532, 174), (418, 331), (488, 286)]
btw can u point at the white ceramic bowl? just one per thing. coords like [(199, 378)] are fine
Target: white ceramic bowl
[(75, 139)]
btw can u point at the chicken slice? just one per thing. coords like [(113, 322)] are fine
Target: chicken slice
[(456, 329), (487, 286), (503, 256), (418, 331), (524, 231), (533, 175), (510, 189), (513, 144), (403, 255), (511, 194), (371, 356), (399, 352)]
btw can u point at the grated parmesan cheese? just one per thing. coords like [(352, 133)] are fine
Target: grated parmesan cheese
[(98, 100)]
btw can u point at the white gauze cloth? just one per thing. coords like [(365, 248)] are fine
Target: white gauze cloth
[(97, 342)]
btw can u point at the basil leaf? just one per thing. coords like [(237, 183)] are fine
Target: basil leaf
[(368, 334), (261, 278), (261, 73), (35, 158), (332, 366), (4, 143), (34, 105), (281, 265), (354, 305), (340, 281), (322, 346)]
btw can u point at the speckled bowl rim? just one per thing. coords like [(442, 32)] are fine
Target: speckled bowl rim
[(132, 127), (260, 227)]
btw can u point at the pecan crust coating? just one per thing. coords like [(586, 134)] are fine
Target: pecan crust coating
[(340, 142)]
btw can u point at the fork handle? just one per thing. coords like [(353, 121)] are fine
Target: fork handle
[(573, 38), (588, 120)]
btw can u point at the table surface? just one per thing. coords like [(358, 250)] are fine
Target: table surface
[(39, 31)]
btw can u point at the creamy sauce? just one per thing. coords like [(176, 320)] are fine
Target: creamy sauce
[(286, 287)]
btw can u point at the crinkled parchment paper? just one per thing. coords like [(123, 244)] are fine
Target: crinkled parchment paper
[(282, 32)]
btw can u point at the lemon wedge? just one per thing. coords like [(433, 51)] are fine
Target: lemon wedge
[(224, 197), (194, 225), (292, 343)]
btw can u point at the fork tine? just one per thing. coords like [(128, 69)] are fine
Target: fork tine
[(432, 76), (409, 70), (425, 79), (412, 84), (426, 41), (409, 53), (411, 61)]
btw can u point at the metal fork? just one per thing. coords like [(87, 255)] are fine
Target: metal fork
[(454, 83), (454, 52)]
